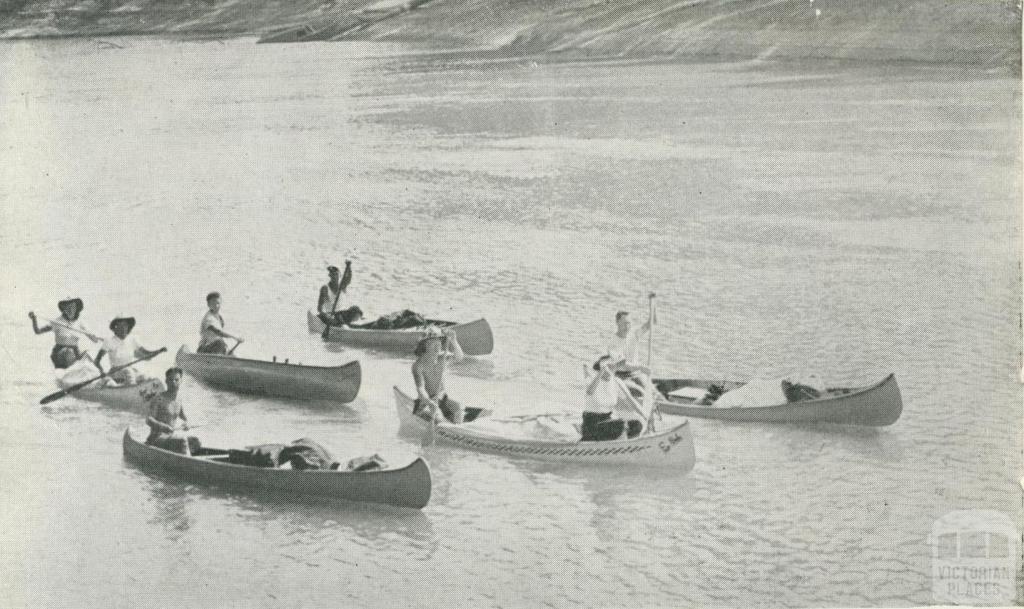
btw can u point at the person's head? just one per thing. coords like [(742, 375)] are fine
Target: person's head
[(70, 308), (122, 326), (173, 377), (333, 273), (213, 301), (623, 321), (431, 344)]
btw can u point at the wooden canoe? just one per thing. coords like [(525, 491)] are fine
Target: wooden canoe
[(475, 337), (277, 379), (408, 486), (122, 397), (876, 405), (670, 448)]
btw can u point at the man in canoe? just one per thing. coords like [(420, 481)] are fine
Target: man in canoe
[(603, 400), (211, 329), (164, 412), (122, 350), (428, 372), (66, 331), (330, 297)]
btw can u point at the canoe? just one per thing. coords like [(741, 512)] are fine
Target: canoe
[(876, 405), (670, 448), (277, 379), (475, 337), (407, 486), (123, 397)]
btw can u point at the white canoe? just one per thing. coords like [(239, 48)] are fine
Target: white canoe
[(123, 397), (475, 337), (277, 379), (407, 486), (670, 448)]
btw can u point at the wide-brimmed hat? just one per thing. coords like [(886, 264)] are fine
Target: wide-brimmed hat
[(129, 320), (67, 301), (429, 334)]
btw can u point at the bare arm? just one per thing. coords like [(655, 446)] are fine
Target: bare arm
[(99, 356), (421, 383), (457, 354), (323, 299), (153, 423), (35, 325)]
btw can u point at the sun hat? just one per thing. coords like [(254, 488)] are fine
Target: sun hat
[(129, 320)]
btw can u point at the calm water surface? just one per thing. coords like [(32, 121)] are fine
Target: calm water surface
[(831, 223)]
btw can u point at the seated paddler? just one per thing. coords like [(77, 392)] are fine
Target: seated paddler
[(122, 349), (428, 372), (67, 330), (211, 330), (329, 307), (606, 416), (165, 410)]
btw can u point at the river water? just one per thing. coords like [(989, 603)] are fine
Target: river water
[(830, 222)]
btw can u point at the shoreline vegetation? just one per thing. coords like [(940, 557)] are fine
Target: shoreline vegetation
[(981, 33)]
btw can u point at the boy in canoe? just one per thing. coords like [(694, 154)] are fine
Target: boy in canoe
[(122, 350), (66, 331), (428, 372), (330, 296), (211, 329), (164, 412)]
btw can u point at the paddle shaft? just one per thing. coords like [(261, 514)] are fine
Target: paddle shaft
[(64, 392), (238, 341), (66, 327)]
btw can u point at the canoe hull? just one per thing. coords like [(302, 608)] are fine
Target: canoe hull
[(276, 379), (407, 487), (132, 397), (673, 448), (475, 337), (877, 406)]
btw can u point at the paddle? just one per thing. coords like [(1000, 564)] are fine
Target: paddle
[(238, 341), (64, 392), (66, 327), (650, 371)]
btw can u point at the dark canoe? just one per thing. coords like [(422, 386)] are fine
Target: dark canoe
[(475, 337), (407, 487), (876, 405), (277, 379)]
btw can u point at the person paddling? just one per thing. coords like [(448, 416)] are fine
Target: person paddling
[(67, 329), (122, 350), (164, 412), (428, 372), (211, 329), (601, 401), (330, 295)]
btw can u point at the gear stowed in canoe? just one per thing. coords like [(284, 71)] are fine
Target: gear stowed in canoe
[(875, 405), (277, 379), (552, 438), (475, 337), (408, 486)]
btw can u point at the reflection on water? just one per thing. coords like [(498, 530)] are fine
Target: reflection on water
[(837, 223)]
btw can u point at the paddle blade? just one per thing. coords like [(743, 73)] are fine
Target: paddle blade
[(53, 397)]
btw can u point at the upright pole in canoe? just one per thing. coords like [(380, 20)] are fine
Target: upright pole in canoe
[(650, 371)]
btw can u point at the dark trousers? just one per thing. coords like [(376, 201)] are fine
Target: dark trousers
[(63, 356), (339, 318), (599, 427), (451, 409), (217, 347)]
